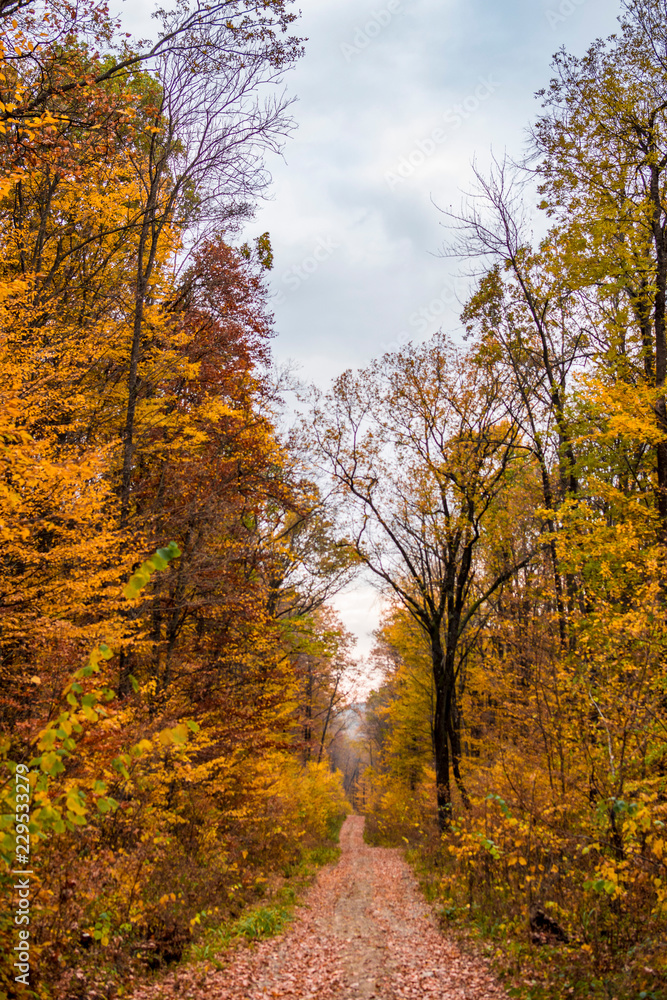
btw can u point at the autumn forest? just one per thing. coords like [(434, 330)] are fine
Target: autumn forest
[(184, 723)]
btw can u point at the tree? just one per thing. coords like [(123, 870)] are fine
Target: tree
[(130, 324), (204, 161), (526, 316), (36, 35), (403, 744), (419, 449), (601, 145), (112, 173), (325, 673)]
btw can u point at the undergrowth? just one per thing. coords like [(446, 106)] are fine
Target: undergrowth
[(495, 924), (567, 901), (271, 916)]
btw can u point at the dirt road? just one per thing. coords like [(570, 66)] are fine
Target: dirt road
[(364, 932)]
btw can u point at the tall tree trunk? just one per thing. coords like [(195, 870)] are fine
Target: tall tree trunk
[(455, 743), (326, 721), (132, 384), (660, 243), (441, 727), (308, 724), (151, 230)]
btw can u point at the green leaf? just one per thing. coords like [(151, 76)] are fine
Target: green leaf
[(49, 763), (47, 739), (119, 765), (142, 576)]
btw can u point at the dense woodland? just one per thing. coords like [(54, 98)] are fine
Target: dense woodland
[(178, 710), (171, 670), (512, 494)]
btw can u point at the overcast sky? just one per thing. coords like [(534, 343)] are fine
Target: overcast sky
[(395, 98)]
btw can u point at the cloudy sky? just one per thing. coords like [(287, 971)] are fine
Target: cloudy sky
[(395, 98)]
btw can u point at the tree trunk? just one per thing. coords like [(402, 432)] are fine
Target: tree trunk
[(308, 723), (442, 764), (151, 231), (660, 243), (326, 721), (455, 742), (441, 726)]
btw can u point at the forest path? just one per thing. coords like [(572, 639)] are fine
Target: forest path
[(364, 932)]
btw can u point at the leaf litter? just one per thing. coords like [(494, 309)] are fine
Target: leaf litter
[(364, 933)]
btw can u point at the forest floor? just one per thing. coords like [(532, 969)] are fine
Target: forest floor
[(364, 931)]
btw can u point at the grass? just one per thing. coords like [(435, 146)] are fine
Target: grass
[(270, 918), (255, 925)]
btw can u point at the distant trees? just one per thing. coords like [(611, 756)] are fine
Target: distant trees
[(326, 675)]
